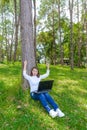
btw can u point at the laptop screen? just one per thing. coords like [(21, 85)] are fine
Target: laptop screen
[(45, 85)]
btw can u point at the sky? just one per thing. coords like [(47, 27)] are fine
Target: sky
[(66, 10)]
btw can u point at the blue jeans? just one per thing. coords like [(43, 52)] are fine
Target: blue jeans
[(45, 100)]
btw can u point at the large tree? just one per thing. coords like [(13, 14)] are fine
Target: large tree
[(27, 34)]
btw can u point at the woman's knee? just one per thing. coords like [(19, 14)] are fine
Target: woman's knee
[(41, 95), (47, 94)]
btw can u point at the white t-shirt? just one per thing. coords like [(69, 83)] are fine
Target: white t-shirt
[(34, 80)]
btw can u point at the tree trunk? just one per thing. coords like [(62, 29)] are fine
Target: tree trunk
[(1, 43), (78, 37), (85, 20), (86, 44), (53, 34), (61, 47), (34, 1), (71, 34), (27, 35), (7, 43), (16, 30)]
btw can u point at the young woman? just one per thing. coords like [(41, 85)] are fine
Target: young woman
[(34, 78)]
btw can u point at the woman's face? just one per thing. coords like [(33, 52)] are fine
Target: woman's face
[(34, 72)]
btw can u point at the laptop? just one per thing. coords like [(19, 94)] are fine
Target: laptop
[(45, 86)]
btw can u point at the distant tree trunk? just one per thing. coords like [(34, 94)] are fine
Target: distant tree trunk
[(71, 34), (53, 34), (11, 46), (27, 35), (0, 51), (6, 41), (61, 47), (51, 55), (86, 42), (54, 45), (16, 30), (1, 43), (85, 20), (78, 37), (34, 1)]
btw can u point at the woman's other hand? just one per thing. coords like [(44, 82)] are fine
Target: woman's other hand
[(47, 65), (25, 62)]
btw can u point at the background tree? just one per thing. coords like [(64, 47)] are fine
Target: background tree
[(27, 34), (78, 37), (85, 26), (71, 33), (16, 29), (53, 29), (60, 34), (34, 3)]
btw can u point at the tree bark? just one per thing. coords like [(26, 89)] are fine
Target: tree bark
[(27, 35), (34, 2), (78, 37), (71, 34), (16, 30), (61, 47)]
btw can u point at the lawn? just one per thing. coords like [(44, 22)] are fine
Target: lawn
[(19, 112)]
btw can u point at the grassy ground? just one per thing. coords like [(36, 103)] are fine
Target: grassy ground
[(19, 112)]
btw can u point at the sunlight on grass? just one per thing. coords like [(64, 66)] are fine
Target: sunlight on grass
[(19, 112), (68, 82)]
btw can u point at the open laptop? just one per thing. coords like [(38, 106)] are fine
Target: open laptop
[(45, 86)]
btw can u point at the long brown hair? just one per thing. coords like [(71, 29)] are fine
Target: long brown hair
[(36, 69)]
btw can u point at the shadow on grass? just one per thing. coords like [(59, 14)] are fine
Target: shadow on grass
[(10, 70), (69, 102), (3, 93), (19, 112), (31, 115), (26, 117), (35, 116)]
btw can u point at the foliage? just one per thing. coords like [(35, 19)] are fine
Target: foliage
[(47, 29), (19, 112), (48, 20)]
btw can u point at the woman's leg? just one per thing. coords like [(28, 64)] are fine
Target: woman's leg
[(54, 105), (42, 99), (34, 96), (44, 102), (51, 101)]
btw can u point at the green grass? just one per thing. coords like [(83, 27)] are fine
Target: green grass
[(19, 112)]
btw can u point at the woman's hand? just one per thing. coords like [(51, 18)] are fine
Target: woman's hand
[(47, 65), (25, 62)]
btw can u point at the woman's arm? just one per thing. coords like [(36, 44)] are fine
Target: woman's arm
[(26, 76), (46, 74), (25, 65)]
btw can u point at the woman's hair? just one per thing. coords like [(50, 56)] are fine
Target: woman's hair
[(36, 69)]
